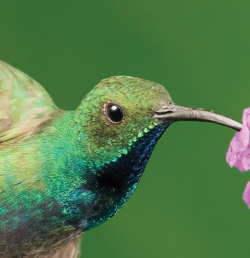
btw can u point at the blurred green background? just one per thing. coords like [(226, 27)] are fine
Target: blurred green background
[(189, 202)]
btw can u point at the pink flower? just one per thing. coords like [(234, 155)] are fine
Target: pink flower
[(238, 154), (246, 195)]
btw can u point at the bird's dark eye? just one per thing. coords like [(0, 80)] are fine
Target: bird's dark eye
[(114, 112)]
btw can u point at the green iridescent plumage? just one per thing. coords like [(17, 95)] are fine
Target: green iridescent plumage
[(64, 172)]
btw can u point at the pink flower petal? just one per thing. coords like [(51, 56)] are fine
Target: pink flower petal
[(246, 194), (238, 154)]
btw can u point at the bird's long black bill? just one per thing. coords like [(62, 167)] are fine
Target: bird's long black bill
[(173, 113)]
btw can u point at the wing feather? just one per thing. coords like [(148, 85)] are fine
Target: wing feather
[(71, 250), (24, 103)]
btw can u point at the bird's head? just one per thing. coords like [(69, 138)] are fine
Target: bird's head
[(122, 110)]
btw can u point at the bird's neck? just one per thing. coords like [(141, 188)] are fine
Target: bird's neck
[(91, 195), (109, 187)]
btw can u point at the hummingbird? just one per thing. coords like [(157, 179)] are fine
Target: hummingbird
[(65, 172)]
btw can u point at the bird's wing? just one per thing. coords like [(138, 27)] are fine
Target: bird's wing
[(24, 103), (71, 250)]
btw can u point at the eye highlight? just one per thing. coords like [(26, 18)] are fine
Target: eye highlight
[(114, 112)]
